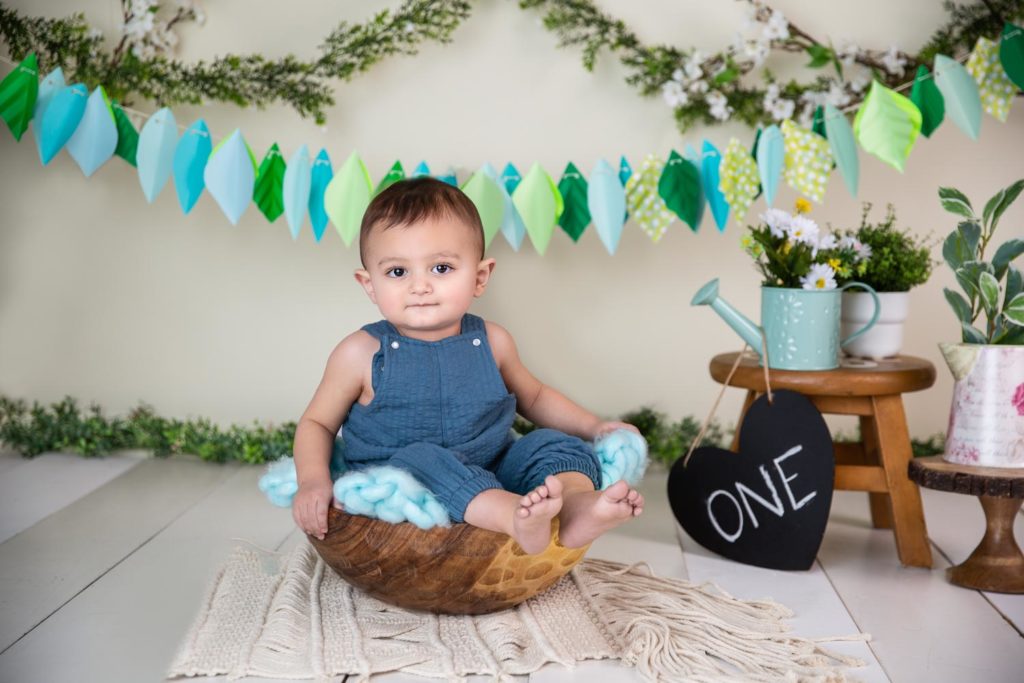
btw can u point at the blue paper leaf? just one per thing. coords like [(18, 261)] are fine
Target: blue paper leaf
[(771, 156), (844, 147), (449, 177), (512, 226), (511, 177), (230, 176), (190, 158), (320, 178), (960, 93), (95, 138), (50, 86), (421, 170), (61, 119), (709, 175), (295, 190), (606, 200), (155, 154)]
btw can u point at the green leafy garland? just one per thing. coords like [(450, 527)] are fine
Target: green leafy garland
[(65, 427)]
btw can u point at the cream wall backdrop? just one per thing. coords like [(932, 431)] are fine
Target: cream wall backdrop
[(109, 299)]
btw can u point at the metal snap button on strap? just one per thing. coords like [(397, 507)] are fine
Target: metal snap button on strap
[(476, 342), (394, 345)]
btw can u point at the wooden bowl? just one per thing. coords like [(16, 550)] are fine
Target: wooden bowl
[(461, 569)]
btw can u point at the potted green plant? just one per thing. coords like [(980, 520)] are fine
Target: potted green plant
[(986, 420), (893, 262)]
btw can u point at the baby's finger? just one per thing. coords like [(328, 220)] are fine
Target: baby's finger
[(321, 516)]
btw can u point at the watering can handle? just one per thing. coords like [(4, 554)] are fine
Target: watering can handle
[(874, 316)]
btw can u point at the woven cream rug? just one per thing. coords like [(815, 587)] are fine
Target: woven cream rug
[(291, 617)]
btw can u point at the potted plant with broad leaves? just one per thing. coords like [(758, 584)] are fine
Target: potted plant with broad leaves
[(986, 419), (893, 261)]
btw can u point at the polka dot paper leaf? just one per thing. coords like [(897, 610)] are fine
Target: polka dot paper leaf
[(230, 176), (694, 157), (18, 93), (535, 199), (512, 226), (421, 170), (395, 174), (926, 96), (680, 187), (61, 119), (606, 200), (573, 189), (155, 154), (808, 161), (646, 206), (1011, 53), (771, 157), (268, 193), (295, 189), (189, 166), (127, 136), (710, 175), (95, 139), (844, 147), (347, 197), (960, 92), (51, 85), (320, 178), (994, 86), (489, 200), (887, 125), (739, 179)]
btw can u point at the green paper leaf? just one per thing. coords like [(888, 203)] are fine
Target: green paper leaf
[(958, 304), (127, 136), (960, 93), (18, 92), (955, 201), (268, 192), (573, 189), (926, 96), (679, 187), (1005, 255), (393, 176), (1014, 311), (347, 196), (820, 56), (536, 199), (989, 288), (818, 122), (887, 125), (489, 201), (1011, 53)]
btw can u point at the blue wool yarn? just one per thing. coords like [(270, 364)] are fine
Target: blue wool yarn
[(280, 481), (623, 455)]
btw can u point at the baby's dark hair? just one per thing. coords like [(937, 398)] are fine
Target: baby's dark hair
[(416, 199)]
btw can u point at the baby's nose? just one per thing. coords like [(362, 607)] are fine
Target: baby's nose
[(421, 285)]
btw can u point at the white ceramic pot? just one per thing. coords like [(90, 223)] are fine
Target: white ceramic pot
[(886, 337), (986, 419)]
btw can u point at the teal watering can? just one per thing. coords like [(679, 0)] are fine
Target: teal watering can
[(801, 326)]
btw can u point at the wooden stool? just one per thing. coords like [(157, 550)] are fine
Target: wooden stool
[(878, 463), (997, 563)]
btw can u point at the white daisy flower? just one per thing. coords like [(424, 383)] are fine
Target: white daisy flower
[(803, 229), (821, 276), (777, 221)]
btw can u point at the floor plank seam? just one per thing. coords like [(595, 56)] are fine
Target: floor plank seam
[(984, 596)]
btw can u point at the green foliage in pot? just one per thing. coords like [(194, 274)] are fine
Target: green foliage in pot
[(994, 287), (898, 259)]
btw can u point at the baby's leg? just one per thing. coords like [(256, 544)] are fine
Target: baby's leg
[(525, 518)]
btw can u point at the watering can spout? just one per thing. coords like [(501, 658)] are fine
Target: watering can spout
[(708, 296)]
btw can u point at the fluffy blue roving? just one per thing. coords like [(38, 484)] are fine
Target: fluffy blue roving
[(394, 495)]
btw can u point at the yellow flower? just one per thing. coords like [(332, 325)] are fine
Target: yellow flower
[(787, 247), (835, 263), (803, 206)]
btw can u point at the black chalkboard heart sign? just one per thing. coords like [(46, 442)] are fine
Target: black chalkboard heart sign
[(768, 504)]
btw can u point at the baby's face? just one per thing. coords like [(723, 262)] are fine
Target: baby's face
[(424, 276)]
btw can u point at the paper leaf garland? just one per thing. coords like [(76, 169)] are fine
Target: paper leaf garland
[(95, 138), (994, 86), (808, 161), (960, 92), (625, 171), (449, 177), (127, 136), (887, 125), (61, 119), (320, 178), (268, 190), (739, 178), (771, 155), (844, 147), (155, 155), (347, 197), (489, 200), (18, 93), (421, 170), (511, 222), (680, 188), (573, 189), (818, 122), (190, 158), (694, 157), (51, 85), (295, 189), (1011, 53), (395, 174), (230, 176), (646, 206), (535, 199), (606, 201), (926, 96), (710, 177)]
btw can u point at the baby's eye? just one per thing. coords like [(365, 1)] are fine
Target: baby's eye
[(396, 272), (442, 268)]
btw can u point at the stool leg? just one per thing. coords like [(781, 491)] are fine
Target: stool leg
[(751, 397), (894, 451), (997, 563), (881, 503)]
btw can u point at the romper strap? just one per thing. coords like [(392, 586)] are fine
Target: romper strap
[(472, 323), (378, 329)]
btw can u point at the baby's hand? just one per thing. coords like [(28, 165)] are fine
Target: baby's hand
[(605, 427), (309, 506)]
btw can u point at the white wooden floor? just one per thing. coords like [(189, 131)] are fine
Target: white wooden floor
[(103, 563)]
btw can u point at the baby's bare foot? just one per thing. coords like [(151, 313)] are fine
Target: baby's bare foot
[(588, 514), (531, 525)]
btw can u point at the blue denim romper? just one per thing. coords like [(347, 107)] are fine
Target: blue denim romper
[(441, 411)]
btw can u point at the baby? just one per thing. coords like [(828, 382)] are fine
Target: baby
[(433, 390)]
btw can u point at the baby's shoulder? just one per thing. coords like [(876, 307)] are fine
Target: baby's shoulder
[(355, 351), (501, 341)]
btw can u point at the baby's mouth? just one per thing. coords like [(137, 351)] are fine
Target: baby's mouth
[(419, 305)]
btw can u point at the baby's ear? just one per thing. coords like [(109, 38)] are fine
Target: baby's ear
[(363, 278), (483, 275)]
